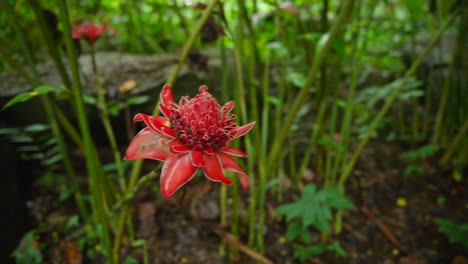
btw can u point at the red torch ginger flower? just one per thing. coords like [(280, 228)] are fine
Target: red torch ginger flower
[(192, 134), (88, 31)]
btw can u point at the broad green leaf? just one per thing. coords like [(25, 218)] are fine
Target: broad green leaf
[(294, 230), (138, 243), (130, 260), (310, 214), (28, 254), (30, 148), (314, 250), (415, 7), (74, 221), (9, 131), (309, 192), (337, 250), (34, 128), (296, 78), (321, 44), (136, 100), (23, 97), (273, 100), (303, 253), (334, 198), (305, 236), (291, 210)]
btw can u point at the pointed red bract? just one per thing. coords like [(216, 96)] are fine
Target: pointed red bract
[(228, 163), (177, 171), (148, 145), (191, 134), (213, 169)]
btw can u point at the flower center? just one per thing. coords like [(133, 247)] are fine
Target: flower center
[(201, 123)]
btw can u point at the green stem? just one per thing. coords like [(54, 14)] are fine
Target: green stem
[(347, 170), (50, 108), (303, 94), (51, 44), (93, 165), (102, 103), (188, 45), (455, 144)]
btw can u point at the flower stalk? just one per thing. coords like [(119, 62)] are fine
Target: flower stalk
[(93, 163)]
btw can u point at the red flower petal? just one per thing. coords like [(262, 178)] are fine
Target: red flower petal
[(167, 98), (242, 130), (177, 148), (203, 89), (234, 151), (156, 123), (227, 107), (209, 151), (197, 158), (165, 110), (177, 171), (213, 169), (228, 163), (147, 145)]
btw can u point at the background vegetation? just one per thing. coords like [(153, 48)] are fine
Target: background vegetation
[(324, 80)]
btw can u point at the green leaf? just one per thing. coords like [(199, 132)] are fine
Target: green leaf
[(294, 230), (74, 221), (296, 78), (23, 97), (136, 100), (30, 148), (138, 243), (89, 99), (456, 233), (65, 193), (305, 236), (291, 210), (334, 198), (9, 131), (130, 260), (337, 250), (52, 160), (273, 100), (35, 128), (322, 218), (309, 192), (303, 253), (415, 7), (29, 253)]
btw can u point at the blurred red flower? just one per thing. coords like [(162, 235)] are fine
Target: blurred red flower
[(88, 31), (192, 134)]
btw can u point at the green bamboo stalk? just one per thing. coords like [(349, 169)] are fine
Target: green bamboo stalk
[(48, 103), (317, 128), (93, 165), (262, 158), (55, 55), (455, 144), (105, 119), (347, 170), (51, 46), (189, 44), (50, 107), (12, 19), (443, 112), (225, 88), (303, 94)]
